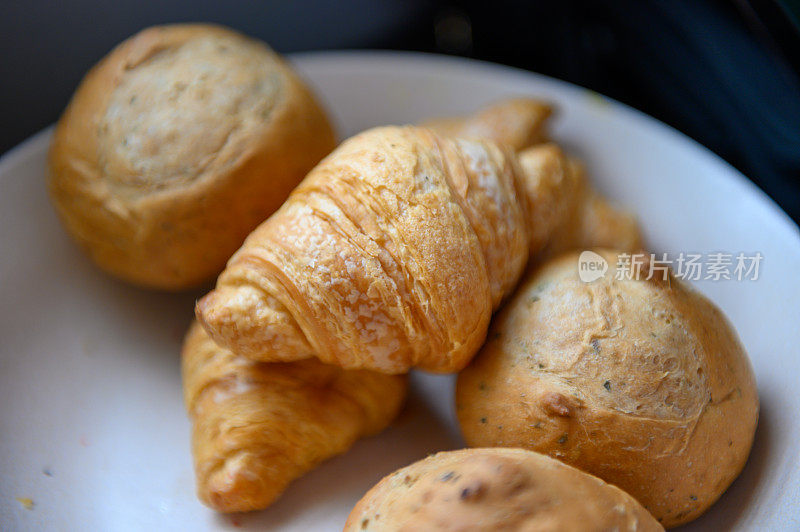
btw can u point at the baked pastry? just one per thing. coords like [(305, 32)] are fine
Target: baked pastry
[(571, 214), (257, 427), (175, 146), (641, 382), (395, 250), (484, 490), (391, 254), (516, 122)]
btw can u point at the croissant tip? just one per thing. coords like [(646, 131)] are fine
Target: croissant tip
[(203, 306), (233, 490), (227, 500)]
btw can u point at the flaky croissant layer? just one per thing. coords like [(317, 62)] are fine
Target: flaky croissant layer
[(257, 426), (392, 253)]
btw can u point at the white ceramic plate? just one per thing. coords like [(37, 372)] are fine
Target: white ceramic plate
[(92, 428)]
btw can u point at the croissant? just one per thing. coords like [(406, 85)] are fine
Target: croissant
[(391, 254), (257, 427), (570, 213), (517, 122)]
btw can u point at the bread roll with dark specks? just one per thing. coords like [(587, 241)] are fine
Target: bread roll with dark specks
[(642, 383), (484, 490), (256, 427), (175, 146)]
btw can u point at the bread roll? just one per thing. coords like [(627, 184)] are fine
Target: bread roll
[(641, 382), (175, 146), (256, 427), (495, 489)]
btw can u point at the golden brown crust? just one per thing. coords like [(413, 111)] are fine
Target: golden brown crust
[(257, 426), (175, 146), (495, 489), (391, 254), (642, 383), (515, 122)]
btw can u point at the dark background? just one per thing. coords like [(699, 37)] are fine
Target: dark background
[(723, 72)]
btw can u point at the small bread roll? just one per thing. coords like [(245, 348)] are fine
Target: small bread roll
[(516, 122), (175, 146), (495, 489), (640, 382)]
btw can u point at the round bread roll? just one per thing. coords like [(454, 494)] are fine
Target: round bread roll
[(640, 382), (495, 489), (175, 146)]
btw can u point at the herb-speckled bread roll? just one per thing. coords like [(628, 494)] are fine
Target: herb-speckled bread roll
[(641, 382), (495, 489), (176, 145)]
